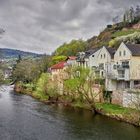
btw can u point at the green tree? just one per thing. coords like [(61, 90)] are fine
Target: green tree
[(19, 58), (57, 59), (70, 49), (26, 71), (41, 86), (80, 85)]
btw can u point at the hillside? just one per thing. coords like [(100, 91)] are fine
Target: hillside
[(127, 30), (11, 53), (113, 35)]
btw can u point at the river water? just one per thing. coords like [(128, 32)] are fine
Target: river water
[(24, 118)]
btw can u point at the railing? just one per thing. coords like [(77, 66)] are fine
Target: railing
[(121, 76), (111, 76), (117, 77), (121, 67)]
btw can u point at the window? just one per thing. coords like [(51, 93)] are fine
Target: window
[(101, 55), (120, 53), (104, 55), (124, 53), (102, 73), (125, 64), (101, 66), (92, 55)]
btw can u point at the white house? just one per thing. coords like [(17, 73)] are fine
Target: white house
[(105, 61), (71, 60), (91, 57), (126, 69), (88, 58)]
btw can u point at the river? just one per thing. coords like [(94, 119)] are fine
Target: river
[(24, 118)]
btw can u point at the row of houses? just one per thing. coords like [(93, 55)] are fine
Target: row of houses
[(119, 68)]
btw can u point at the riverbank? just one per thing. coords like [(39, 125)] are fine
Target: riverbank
[(117, 112)]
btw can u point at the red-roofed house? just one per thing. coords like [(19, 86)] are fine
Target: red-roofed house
[(59, 67), (71, 60), (58, 74)]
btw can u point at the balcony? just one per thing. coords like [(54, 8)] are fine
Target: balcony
[(121, 77), (121, 67), (101, 66), (116, 76), (111, 76), (96, 69)]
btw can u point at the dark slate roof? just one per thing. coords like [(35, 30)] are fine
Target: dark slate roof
[(90, 52), (134, 48), (111, 51)]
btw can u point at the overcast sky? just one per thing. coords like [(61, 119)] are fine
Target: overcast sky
[(42, 25)]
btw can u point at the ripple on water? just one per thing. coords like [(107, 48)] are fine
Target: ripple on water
[(24, 118)]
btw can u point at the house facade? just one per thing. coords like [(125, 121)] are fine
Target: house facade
[(126, 69), (58, 68), (105, 61), (89, 58), (120, 69), (71, 60)]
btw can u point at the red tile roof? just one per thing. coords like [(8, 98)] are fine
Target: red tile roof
[(72, 57), (59, 65)]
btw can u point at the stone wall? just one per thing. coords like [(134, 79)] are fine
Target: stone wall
[(131, 99), (126, 98), (117, 97)]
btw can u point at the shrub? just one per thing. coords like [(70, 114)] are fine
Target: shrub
[(42, 84)]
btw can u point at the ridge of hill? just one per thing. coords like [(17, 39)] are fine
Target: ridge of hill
[(12, 53)]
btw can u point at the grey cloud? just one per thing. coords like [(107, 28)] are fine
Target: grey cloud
[(42, 25)]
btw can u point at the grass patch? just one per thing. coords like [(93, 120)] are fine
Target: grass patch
[(115, 109), (40, 96), (123, 33)]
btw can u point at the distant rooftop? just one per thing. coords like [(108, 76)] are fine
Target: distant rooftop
[(92, 51), (72, 57), (59, 65)]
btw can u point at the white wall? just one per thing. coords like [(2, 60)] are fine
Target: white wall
[(93, 61)]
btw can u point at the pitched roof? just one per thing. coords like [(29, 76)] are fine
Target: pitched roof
[(59, 65), (134, 48), (71, 57), (90, 52), (111, 51)]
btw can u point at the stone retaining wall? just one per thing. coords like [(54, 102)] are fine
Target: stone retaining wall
[(126, 98)]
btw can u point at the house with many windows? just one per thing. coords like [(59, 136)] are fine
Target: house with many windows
[(126, 68), (105, 61), (120, 69), (89, 58)]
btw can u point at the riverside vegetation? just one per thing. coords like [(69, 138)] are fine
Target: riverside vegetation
[(77, 91), (31, 78)]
